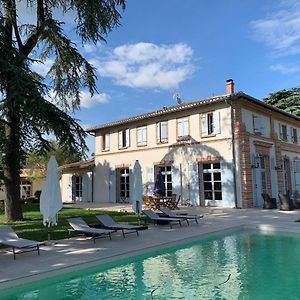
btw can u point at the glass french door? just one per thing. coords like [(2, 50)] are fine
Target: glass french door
[(212, 183), (124, 185)]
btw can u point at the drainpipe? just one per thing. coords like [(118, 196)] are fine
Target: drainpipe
[(233, 151), (92, 185)]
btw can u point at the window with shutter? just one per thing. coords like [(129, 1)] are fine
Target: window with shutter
[(162, 132), (182, 128), (142, 136), (210, 123), (294, 135), (124, 138), (105, 145)]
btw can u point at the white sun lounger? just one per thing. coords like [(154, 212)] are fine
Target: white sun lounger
[(79, 225), (8, 237), (154, 217), (109, 223), (168, 212)]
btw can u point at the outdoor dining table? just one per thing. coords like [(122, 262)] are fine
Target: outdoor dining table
[(154, 202)]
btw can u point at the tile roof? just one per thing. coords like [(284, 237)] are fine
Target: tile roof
[(189, 105), (79, 165)]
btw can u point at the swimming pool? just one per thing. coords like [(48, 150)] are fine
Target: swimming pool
[(241, 265)]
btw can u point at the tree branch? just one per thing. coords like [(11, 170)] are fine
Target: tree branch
[(15, 25), (40, 24)]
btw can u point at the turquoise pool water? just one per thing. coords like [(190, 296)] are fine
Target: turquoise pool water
[(243, 265)]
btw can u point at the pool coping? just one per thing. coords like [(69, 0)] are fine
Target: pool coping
[(22, 280)]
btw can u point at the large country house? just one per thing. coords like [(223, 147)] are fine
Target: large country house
[(220, 151)]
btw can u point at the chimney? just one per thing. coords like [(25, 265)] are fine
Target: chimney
[(229, 87)]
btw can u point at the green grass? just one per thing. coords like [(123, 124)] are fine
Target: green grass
[(31, 227)]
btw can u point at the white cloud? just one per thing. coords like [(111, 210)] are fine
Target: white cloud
[(284, 69), (280, 30), (146, 65), (42, 68), (87, 101)]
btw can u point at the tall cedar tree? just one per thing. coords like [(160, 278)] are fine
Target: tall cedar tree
[(288, 100), (26, 114)]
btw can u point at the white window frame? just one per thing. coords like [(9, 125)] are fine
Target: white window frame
[(212, 180), (124, 138), (183, 127), (167, 171), (294, 137), (25, 189), (210, 123), (142, 136), (258, 124), (162, 129), (282, 137), (106, 142)]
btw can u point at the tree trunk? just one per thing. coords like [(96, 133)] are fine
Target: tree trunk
[(13, 209)]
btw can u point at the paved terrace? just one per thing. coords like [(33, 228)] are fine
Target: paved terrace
[(73, 254)]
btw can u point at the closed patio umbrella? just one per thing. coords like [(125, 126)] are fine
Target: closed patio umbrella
[(50, 200), (137, 192), (159, 185)]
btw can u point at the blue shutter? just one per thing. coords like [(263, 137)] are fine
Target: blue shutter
[(216, 122), (127, 138), (149, 186), (204, 125), (112, 186), (130, 184), (70, 188), (274, 182), (85, 182), (228, 183), (176, 180), (194, 184)]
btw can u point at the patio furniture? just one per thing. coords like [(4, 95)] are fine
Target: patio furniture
[(169, 213), (160, 220), (285, 202), (8, 237), (296, 199), (109, 223), (269, 203), (79, 225), (154, 202)]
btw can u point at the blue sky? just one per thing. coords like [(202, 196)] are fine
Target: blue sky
[(191, 47)]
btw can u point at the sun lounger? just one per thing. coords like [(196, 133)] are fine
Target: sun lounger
[(79, 225), (154, 217), (169, 213), (109, 223), (8, 237)]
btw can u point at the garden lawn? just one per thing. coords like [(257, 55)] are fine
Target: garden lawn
[(32, 226)]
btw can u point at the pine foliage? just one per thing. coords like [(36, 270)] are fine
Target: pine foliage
[(287, 99)]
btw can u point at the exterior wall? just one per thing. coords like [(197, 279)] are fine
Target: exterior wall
[(183, 156), (260, 154), (87, 185), (267, 144)]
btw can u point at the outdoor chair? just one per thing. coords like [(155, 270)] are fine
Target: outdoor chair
[(109, 223), (160, 220), (8, 237), (169, 213), (79, 225), (269, 203), (285, 202)]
